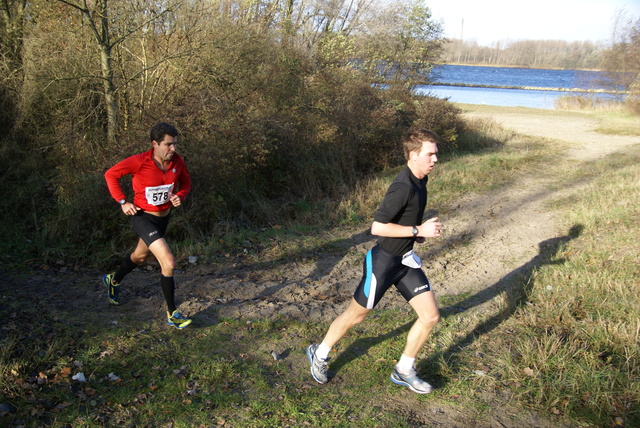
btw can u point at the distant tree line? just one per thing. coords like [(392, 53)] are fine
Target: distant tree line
[(527, 53)]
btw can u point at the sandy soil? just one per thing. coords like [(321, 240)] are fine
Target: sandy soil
[(502, 234)]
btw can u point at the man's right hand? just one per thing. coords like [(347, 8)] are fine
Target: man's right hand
[(431, 228)]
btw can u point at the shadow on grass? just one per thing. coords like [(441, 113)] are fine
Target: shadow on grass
[(517, 284), (361, 346), (333, 253)]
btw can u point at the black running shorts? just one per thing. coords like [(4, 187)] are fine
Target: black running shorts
[(381, 270), (149, 227)]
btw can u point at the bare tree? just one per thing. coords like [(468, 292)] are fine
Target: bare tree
[(98, 20), (401, 42), (621, 61), (12, 21)]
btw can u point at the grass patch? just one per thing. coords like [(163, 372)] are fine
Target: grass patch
[(588, 103), (150, 376), (208, 376)]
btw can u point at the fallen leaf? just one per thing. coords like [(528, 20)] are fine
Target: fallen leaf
[(60, 407)]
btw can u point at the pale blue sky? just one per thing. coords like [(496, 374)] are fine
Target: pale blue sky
[(491, 21)]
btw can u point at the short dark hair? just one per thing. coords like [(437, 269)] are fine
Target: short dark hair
[(160, 129), (414, 137)]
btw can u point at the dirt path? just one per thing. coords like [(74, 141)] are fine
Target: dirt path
[(584, 143), (489, 238)]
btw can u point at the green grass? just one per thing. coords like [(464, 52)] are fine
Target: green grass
[(564, 342)]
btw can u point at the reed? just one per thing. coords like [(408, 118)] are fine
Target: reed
[(584, 102)]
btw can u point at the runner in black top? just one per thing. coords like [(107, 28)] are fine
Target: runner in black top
[(398, 224)]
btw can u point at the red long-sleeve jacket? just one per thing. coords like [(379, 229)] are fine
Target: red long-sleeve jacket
[(152, 187)]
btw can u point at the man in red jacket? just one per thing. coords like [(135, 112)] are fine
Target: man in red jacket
[(160, 181)]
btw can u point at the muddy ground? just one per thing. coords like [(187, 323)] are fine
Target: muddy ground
[(503, 231)]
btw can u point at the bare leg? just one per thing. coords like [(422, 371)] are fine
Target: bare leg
[(426, 308), (163, 254), (141, 252), (428, 315), (131, 261), (352, 316)]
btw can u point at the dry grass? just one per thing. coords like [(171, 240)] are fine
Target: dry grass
[(588, 103), (576, 351)]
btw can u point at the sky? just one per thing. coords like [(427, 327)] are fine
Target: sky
[(491, 21)]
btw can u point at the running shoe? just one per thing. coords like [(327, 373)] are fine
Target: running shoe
[(113, 288), (411, 381), (177, 320), (318, 365)]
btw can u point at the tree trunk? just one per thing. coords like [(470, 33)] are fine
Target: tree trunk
[(99, 24), (109, 93)]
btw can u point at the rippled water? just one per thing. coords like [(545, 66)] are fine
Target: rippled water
[(512, 77), (520, 77)]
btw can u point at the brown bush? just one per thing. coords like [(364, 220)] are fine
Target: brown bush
[(267, 129)]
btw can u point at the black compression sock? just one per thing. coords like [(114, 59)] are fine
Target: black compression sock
[(126, 266), (168, 289)]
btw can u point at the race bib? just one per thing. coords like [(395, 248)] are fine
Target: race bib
[(158, 195), (411, 259)]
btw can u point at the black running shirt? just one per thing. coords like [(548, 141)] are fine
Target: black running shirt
[(403, 204)]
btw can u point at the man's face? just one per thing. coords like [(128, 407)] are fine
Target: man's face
[(165, 149), (425, 160)]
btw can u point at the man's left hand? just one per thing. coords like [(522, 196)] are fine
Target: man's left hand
[(175, 200)]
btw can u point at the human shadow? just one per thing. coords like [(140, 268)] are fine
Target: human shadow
[(333, 252), (517, 285), (362, 345)]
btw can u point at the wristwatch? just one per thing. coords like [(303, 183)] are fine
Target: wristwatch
[(122, 201), (415, 231)]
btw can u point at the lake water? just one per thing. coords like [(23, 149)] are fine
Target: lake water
[(517, 79)]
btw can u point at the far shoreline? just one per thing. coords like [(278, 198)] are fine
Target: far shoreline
[(517, 66), (529, 88)]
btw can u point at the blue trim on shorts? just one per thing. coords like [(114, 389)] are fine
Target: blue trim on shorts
[(368, 274)]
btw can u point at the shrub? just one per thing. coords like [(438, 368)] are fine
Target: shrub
[(266, 133)]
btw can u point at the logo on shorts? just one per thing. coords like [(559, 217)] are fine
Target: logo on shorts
[(173, 170), (424, 287), (153, 233)]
